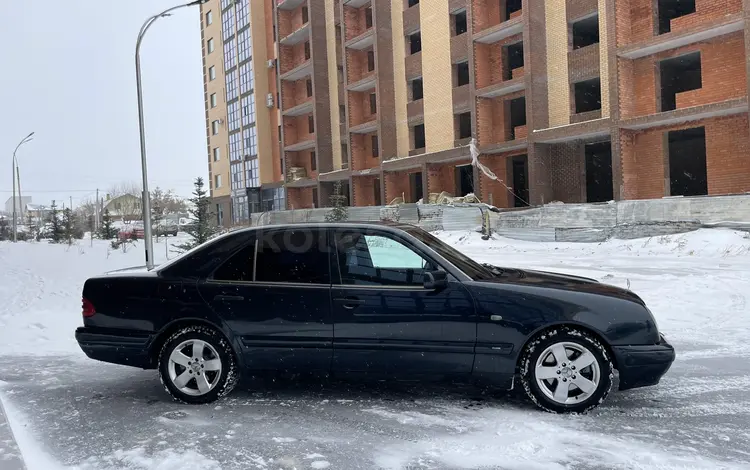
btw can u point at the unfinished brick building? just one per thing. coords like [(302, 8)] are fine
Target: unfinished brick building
[(569, 100)]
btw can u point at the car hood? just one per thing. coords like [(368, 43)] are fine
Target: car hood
[(551, 280)]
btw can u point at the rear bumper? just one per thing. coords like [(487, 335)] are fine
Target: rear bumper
[(641, 366), (116, 347)]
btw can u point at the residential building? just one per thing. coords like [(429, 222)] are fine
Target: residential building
[(242, 112), (126, 207), (20, 202), (567, 100)]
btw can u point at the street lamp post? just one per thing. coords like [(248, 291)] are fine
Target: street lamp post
[(148, 241), (14, 175)]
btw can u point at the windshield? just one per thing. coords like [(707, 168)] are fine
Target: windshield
[(470, 267)]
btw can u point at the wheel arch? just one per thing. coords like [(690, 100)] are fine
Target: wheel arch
[(172, 327), (578, 326)]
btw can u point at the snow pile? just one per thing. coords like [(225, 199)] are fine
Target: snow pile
[(138, 459), (40, 290)]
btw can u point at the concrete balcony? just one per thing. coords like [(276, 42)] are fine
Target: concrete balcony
[(363, 41), (299, 71), (297, 36), (301, 109), (501, 31), (502, 88), (289, 4)]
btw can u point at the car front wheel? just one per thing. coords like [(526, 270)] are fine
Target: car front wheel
[(197, 365), (566, 370)]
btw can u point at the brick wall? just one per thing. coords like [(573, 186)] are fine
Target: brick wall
[(566, 173), (706, 11), (441, 178), (296, 129), (489, 66), (291, 56), (493, 123), (558, 83), (727, 158), (302, 159), (728, 155), (290, 21), (356, 66), (497, 164), (359, 108), (294, 93), (635, 18), (724, 76), (396, 184), (300, 198), (485, 14), (354, 19), (361, 152), (363, 190)]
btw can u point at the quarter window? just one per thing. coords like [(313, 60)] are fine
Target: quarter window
[(293, 256), (378, 261), (239, 268)]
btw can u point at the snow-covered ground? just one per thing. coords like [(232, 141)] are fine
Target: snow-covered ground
[(67, 412)]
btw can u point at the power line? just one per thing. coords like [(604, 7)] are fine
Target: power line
[(52, 191)]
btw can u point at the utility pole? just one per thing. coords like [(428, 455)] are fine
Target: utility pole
[(71, 202), (14, 175), (96, 211)]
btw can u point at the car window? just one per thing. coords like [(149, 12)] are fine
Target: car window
[(239, 267), (294, 256), (378, 260)]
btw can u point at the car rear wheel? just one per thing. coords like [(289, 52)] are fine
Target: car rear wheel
[(566, 370), (197, 365)]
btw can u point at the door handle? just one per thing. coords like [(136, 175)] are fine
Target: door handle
[(350, 303), (496, 318), (228, 298)]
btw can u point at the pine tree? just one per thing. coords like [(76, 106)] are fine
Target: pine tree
[(339, 211), (107, 231), (56, 230), (202, 228), (68, 225), (157, 211)]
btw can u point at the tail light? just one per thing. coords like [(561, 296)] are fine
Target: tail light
[(88, 308)]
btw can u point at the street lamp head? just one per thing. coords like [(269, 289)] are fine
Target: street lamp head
[(197, 2)]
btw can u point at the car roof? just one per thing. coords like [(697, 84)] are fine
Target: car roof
[(347, 224)]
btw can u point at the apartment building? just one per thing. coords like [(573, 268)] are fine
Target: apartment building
[(568, 100), (242, 116)]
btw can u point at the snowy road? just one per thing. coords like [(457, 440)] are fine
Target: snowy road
[(69, 412)]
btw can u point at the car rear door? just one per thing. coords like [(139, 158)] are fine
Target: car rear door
[(274, 294), (385, 320)]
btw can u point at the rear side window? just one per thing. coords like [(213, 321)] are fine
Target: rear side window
[(293, 256), (239, 268)]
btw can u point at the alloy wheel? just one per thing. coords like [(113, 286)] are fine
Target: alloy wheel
[(194, 367), (567, 373)]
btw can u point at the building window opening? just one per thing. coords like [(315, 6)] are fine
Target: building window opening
[(375, 146), (370, 61), (417, 90), (588, 95), (520, 177), (517, 115), (368, 17), (513, 59), (511, 8), (416, 186), (376, 192), (464, 180), (599, 172), (687, 162), (305, 15), (671, 9), (462, 74), (419, 137), (415, 42), (678, 75), (463, 125), (586, 32), (460, 25)]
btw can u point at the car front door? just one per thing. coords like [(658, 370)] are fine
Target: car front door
[(385, 320), (274, 294)]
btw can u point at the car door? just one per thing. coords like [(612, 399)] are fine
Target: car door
[(385, 320), (274, 294)]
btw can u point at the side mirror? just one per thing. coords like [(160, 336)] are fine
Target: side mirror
[(435, 280)]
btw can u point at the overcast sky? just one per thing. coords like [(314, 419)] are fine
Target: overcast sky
[(69, 75)]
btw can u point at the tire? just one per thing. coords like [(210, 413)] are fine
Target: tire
[(216, 367), (539, 360)]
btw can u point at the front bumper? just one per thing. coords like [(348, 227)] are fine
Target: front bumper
[(641, 366), (116, 346)]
